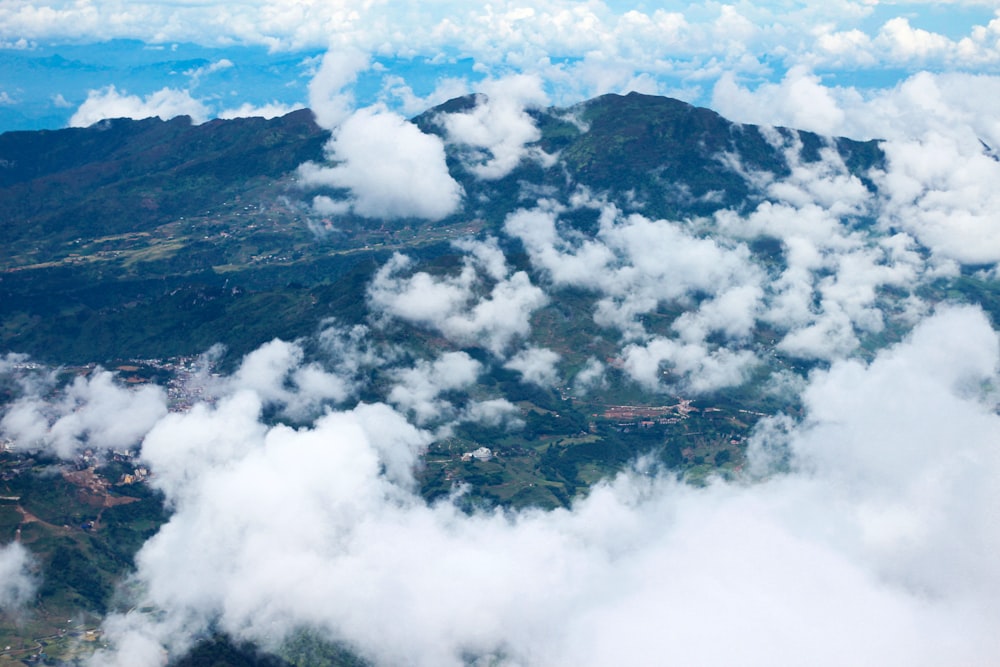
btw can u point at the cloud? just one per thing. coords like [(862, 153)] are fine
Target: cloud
[(395, 88), (328, 98), (905, 43), (462, 307), (417, 389), (804, 102), (91, 413), (636, 262), (496, 131), (859, 536), (493, 412), (826, 291), (390, 167), (662, 363), (938, 189), (277, 374), (271, 110), (591, 376), (165, 103), (934, 184), (17, 578), (536, 365), (577, 51), (218, 66), (924, 103), (873, 547)]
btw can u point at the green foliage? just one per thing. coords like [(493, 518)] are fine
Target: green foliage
[(310, 649), (221, 651)]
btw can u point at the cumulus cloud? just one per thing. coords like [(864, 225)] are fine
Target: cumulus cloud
[(938, 189), (634, 263), (165, 103), (417, 389), (860, 536), (493, 412), (537, 365), (906, 43), (497, 130), (390, 168), (873, 547), (463, 307), (17, 577), (577, 50), (832, 270), (329, 97), (278, 375), (663, 363), (934, 127), (591, 376), (92, 412), (805, 103), (634, 266), (395, 88)]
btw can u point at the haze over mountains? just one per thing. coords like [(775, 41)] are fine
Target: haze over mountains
[(499, 272)]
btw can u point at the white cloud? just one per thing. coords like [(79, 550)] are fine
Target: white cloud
[(276, 373), (93, 412), (935, 185), (873, 549), (395, 87), (61, 102), (800, 100), (417, 389), (662, 364), (493, 412), (622, 45), (165, 103), (271, 110), (941, 191), (634, 264), (218, 66), (537, 365), (905, 43), (497, 129), (390, 167), (329, 98), (462, 306), (575, 51), (18, 581), (590, 377)]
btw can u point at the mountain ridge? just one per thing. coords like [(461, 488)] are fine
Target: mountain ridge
[(128, 203)]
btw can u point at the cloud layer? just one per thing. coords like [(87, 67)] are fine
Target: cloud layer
[(576, 51), (872, 549), (610, 36)]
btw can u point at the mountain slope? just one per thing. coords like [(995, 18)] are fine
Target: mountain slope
[(123, 176)]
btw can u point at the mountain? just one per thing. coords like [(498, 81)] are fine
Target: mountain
[(627, 284), (153, 237)]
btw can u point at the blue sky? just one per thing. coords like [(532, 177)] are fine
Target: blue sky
[(258, 57)]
